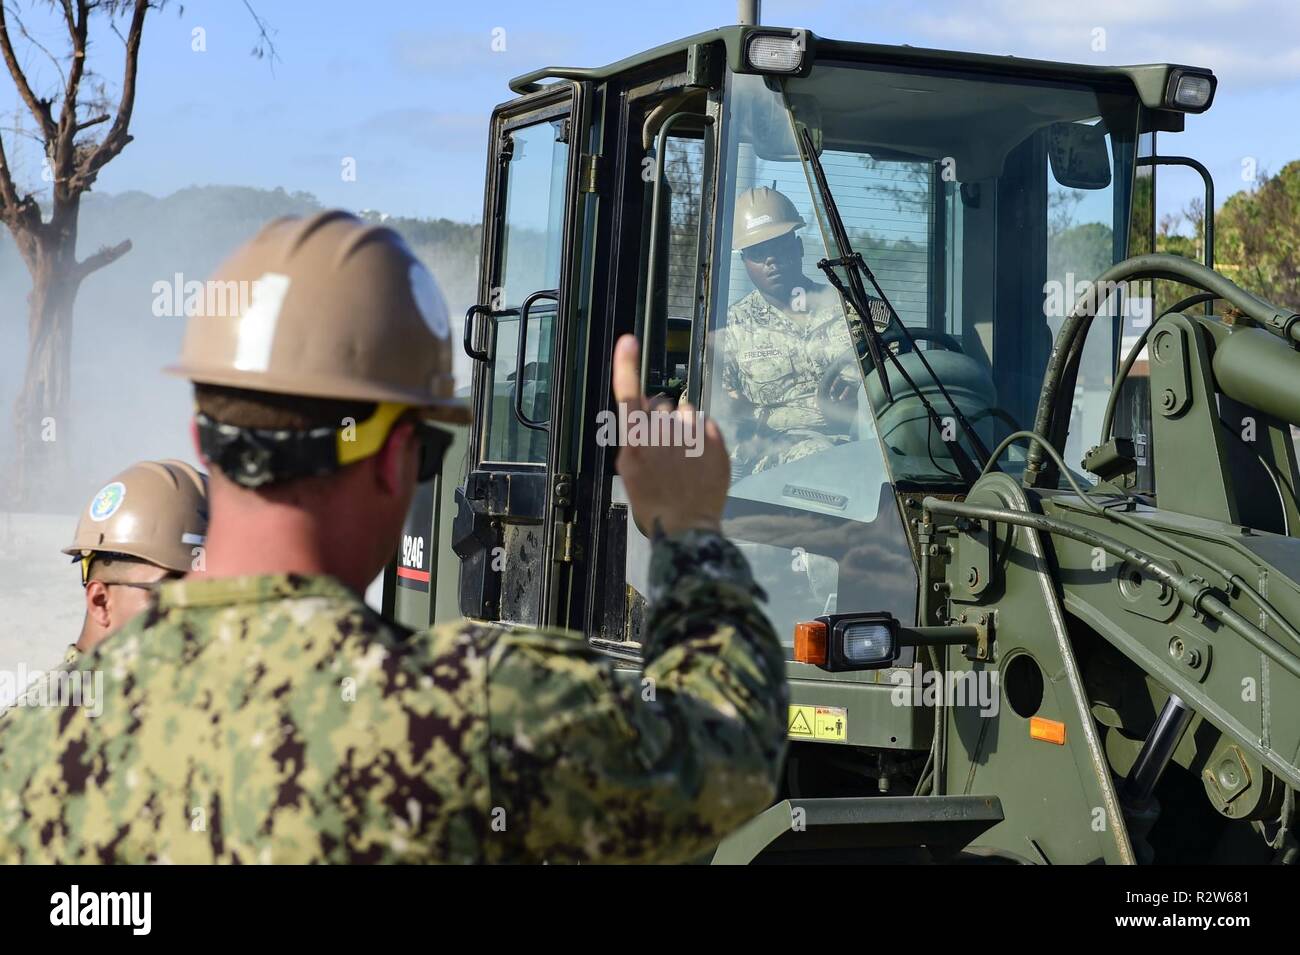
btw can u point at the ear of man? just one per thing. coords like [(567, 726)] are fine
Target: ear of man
[(395, 464), (97, 603)]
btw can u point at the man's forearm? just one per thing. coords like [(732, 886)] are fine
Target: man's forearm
[(592, 768), (704, 602)]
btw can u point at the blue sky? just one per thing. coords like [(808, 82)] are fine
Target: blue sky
[(404, 87)]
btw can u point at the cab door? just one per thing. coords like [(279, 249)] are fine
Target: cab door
[(504, 510)]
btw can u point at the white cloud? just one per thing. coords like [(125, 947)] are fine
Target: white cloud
[(1250, 43)]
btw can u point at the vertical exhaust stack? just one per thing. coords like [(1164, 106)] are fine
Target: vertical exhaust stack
[(748, 12)]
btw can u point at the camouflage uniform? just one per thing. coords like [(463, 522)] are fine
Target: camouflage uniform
[(278, 719), (773, 360), (39, 688)]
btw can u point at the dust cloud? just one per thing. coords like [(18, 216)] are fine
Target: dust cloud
[(123, 408)]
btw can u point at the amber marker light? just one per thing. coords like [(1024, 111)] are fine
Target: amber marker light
[(1049, 731), (810, 642)]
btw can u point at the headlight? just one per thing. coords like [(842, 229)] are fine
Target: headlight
[(775, 52), (1190, 92), (867, 644), (847, 641)]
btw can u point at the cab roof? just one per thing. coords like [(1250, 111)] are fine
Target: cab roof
[(1150, 80)]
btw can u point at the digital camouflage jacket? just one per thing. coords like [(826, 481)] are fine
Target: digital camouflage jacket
[(278, 719)]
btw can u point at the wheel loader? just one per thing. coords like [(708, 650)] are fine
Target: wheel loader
[(1036, 566)]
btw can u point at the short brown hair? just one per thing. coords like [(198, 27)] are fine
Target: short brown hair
[(105, 566), (267, 410)]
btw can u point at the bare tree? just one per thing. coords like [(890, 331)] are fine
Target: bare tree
[(79, 129), (68, 128)]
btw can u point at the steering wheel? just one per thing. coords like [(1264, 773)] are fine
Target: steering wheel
[(894, 335), (844, 413)]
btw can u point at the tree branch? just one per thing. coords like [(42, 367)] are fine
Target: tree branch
[(8, 194), (40, 108), (67, 15), (105, 256), (86, 124), (22, 28), (117, 137), (65, 148), (20, 213), (265, 46), (19, 131)]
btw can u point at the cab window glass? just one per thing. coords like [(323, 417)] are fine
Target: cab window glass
[(673, 241), (1080, 246), (682, 174), (967, 224), (783, 381), (531, 246)]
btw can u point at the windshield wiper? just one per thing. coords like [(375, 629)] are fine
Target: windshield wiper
[(855, 293)]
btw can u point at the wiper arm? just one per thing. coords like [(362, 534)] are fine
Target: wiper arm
[(855, 294), (875, 341), (855, 266), (970, 471)]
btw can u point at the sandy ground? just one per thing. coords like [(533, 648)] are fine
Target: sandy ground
[(40, 591)]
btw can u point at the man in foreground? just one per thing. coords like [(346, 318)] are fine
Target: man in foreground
[(260, 712)]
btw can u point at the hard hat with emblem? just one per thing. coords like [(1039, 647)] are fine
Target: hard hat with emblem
[(762, 214), (326, 307), (156, 511)]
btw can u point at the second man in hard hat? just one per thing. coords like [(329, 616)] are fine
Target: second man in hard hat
[(144, 526), (261, 712)]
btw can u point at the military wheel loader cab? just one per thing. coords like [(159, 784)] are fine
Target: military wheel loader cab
[(872, 267)]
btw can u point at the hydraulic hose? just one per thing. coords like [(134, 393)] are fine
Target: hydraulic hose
[(1069, 341), (1192, 591), (1108, 419), (1231, 580)]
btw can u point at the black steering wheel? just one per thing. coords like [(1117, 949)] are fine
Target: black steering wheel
[(844, 413), (894, 335)]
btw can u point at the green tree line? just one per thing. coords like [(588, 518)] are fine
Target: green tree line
[(1256, 243)]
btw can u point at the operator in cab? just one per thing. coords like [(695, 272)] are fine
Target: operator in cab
[(781, 340)]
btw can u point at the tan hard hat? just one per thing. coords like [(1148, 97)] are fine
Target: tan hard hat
[(763, 214), (155, 510), (326, 307)]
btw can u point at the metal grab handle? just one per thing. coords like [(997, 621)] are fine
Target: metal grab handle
[(527, 422), (485, 354), (652, 264), (476, 354), (1206, 178), (1209, 194)]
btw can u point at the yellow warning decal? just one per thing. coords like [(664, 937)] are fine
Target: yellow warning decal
[(801, 722), (832, 723), (818, 722)]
